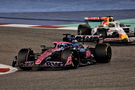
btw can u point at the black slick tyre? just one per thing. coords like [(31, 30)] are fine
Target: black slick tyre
[(23, 56), (103, 53), (84, 29), (64, 57)]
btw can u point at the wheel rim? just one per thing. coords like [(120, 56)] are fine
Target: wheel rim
[(109, 53)]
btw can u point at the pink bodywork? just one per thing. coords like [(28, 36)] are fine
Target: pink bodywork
[(49, 52), (69, 61), (88, 53)]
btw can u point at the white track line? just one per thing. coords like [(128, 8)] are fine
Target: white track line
[(68, 28), (11, 69), (17, 25), (34, 26)]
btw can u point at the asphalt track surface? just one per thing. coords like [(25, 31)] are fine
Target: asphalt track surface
[(119, 74)]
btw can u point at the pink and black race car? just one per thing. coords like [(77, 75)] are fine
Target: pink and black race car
[(63, 54)]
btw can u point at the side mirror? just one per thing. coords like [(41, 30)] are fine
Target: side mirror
[(42, 46)]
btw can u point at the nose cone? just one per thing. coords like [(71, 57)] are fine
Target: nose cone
[(123, 36)]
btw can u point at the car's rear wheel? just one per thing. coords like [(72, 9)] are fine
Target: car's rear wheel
[(23, 56), (103, 53), (67, 53), (84, 29)]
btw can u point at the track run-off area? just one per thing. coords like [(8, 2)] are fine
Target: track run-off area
[(130, 22)]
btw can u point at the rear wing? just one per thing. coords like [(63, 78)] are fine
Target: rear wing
[(99, 19), (82, 38)]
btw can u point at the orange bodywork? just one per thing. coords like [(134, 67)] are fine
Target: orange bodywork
[(106, 20), (123, 36)]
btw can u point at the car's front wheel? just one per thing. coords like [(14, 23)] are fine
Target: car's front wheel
[(24, 55)]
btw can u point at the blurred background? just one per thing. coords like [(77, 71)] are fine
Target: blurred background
[(58, 12), (64, 5)]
